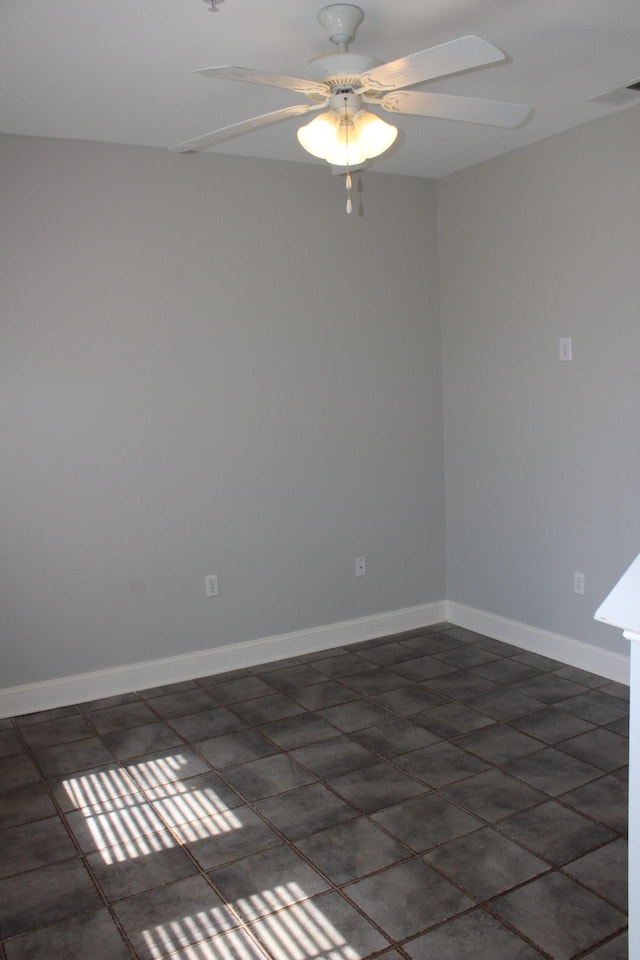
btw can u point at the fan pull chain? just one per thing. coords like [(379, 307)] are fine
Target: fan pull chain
[(348, 177)]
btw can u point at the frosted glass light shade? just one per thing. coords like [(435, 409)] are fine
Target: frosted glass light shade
[(373, 133), (320, 136), (347, 141)]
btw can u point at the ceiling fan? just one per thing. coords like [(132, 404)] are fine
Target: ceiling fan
[(343, 82)]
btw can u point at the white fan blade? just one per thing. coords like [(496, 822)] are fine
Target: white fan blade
[(224, 133), (297, 84), (494, 113), (452, 57)]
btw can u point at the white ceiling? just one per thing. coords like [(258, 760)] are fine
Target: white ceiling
[(120, 71)]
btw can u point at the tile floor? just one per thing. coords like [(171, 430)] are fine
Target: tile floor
[(436, 795)]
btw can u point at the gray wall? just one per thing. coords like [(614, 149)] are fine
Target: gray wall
[(543, 458), (208, 367)]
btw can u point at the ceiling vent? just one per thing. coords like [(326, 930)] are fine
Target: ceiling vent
[(621, 96)]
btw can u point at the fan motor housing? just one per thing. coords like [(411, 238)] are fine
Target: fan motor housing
[(340, 70)]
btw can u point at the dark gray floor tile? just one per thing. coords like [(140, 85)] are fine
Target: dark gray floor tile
[(325, 928), (614, 689), (352, 850), (137, 741), (440, 763), (92, 935), (305, 810), (558, 915), (34, 845), (251, 885), (44, 896), (492, 795), (499, 647), (24, 803), (395, 737), (10, 744), (41, 715), (102, 703), (181, 703), (433, 643), (605, 871), (471, 937), (505, 671), (595, 706), (606, 800), (226, 836), (485, 863), (61, 730), (388, 654), (407, 898), (538, 661), (340, 665), (616, 949), (409, 699), (498, 744), (132, 875), (171, 917), (69, 757), (16, 771), (165, 766), (465, 657), (550, 725), (555, 832), (92, 786), (504, 704), (243, 688), (121, 716), (374, 681), (206, 724), (552, 771), (298, 731), (548, 688), (620, 726), (355, 715), (584, 677), (166, 689), (276, 706), (423, 668), (319, 695), (373, 787), (235, 944), (291, 678), (266, 777), (193, 799), (464, 685), (601, 748), (331, 758), (121, 824), (452, 720), (426, 822), (235, 748)]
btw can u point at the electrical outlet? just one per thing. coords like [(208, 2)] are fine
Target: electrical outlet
[(578, 583), (211, 585), (565, 349), (361, 566)]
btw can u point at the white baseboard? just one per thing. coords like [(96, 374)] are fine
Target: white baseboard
[(575, 653), (48, 694)]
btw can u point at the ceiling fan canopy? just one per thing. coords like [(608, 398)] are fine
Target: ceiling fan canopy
[(345, 83)]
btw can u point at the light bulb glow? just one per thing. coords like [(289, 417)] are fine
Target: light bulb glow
[(374, 135), (347, 141), (320, 136)]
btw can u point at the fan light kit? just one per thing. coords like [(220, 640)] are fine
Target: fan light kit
[(344, 84)]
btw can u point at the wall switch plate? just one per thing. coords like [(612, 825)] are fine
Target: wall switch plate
[(211, 585), (565, 348), (578, 583), (361, 566)]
